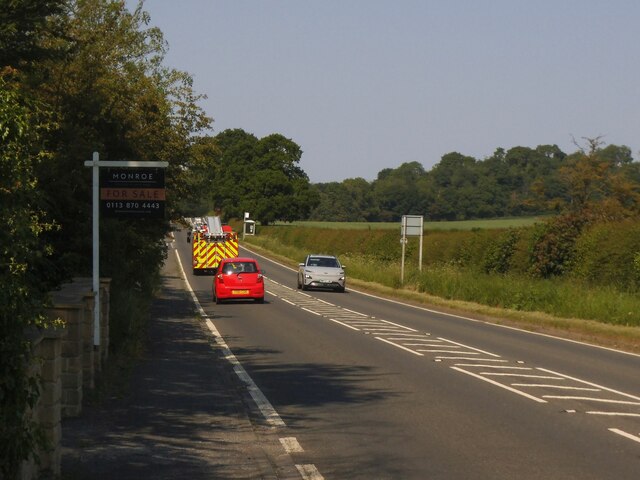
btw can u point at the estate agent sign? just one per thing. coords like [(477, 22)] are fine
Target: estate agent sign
[(132, 192), (123, 189)]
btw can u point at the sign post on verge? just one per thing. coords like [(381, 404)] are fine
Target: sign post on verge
[(249, 226), (140, 194), (412, 226)]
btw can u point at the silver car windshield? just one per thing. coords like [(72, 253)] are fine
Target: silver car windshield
[(322, 262)]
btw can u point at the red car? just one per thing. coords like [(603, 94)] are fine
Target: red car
[(238, 278)]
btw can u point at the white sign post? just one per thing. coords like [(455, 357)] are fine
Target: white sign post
[(412, 226), (96, 164)]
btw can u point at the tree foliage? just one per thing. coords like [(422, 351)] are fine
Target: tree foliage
[(78, 76), (22, 295), (236, 172), (603, 181), (23, 26)]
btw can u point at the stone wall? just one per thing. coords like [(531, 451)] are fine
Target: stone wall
[(67, 362)]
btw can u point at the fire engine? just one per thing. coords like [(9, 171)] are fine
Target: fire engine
[(211, 242)]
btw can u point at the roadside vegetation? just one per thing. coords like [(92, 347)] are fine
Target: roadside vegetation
[(459, 272), (77, 76), (489, 223), (568, 306), (497, 268)]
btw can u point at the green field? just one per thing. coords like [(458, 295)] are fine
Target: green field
[(452, 225)]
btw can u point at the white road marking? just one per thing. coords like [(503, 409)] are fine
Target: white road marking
[(393, 331), (452, 315), (263, 404), (497, 384), (399, 346), (365, 324), (592, 384), (265, 407), (345, 324), (189, 289), (470, 348), (309, 472), (357, 313), (591, 399), (502, 367), (635, 438), (404, 339), (496, 374), (411, 336), (436, 351), (324, 301), (398, 325), (291, 445), (392, 335), (559, 387), (471, 359), (614, 414)]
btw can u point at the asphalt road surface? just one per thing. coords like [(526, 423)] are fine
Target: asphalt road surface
[(362, 387)]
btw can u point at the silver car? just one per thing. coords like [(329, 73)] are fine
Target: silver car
[(321, 271)]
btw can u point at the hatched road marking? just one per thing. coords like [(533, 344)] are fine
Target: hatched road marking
[(508, 375)]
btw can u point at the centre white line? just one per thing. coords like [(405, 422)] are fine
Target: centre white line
[(309, 472), (291, 445)]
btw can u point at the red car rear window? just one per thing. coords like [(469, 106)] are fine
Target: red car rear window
[(239, 267)]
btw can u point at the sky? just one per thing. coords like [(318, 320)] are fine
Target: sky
[(365, 85)]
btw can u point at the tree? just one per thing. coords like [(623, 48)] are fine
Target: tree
[(396, 192), (260, 176), (103, 88), (453, 182), (111, 94), (351, 200), (23, 25), (600, 183), (363, 205)]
